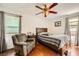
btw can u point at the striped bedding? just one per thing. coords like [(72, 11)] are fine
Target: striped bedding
[(57, 40)]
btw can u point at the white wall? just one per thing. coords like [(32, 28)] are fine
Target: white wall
[(57, 30), (30, 22)]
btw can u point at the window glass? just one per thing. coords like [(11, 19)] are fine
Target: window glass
[(11, 24)]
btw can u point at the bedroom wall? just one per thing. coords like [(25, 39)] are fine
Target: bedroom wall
[(61, 29), (57, 30), (30, 23)]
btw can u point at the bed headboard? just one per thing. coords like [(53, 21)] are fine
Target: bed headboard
[(39, 30)]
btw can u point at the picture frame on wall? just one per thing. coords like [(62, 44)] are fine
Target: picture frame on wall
[(57, 23)]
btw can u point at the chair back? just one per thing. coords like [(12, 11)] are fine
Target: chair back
[(19, 38)]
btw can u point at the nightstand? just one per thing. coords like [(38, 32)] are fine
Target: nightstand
[(33, 37)]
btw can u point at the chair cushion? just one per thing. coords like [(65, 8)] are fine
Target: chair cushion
[(21, 37)]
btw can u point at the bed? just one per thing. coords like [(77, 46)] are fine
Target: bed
[(58, 43)]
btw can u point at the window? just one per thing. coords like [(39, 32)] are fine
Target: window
[(73, 24), (12, 24)]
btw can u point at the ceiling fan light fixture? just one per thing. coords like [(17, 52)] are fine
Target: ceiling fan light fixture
[(46, 9)]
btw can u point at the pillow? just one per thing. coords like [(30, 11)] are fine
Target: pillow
[(44, 33), (50, 33)]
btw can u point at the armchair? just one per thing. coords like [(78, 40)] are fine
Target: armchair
[(22, 45)]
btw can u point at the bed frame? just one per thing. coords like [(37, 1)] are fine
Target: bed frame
[(39, 30)]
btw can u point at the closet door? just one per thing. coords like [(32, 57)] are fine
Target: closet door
[(12, 26)]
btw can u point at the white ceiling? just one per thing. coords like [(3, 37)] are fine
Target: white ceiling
[(29, 8)]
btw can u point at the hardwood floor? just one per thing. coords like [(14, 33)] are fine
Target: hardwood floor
[(74, 51), (41, 50)]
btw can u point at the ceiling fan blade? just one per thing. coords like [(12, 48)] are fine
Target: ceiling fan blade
[(39, 7), (54, 4), (53, 12), (39, 13)]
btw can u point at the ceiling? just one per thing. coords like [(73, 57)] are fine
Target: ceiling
[(30, 9)]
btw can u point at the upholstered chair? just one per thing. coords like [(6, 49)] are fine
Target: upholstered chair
[(22, 44)]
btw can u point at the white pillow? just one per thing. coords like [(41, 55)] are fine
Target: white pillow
[(42, 33)]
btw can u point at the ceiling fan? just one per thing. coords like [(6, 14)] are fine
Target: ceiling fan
[(46, 10)]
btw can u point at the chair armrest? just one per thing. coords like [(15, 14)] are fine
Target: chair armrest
[(21, 43)]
